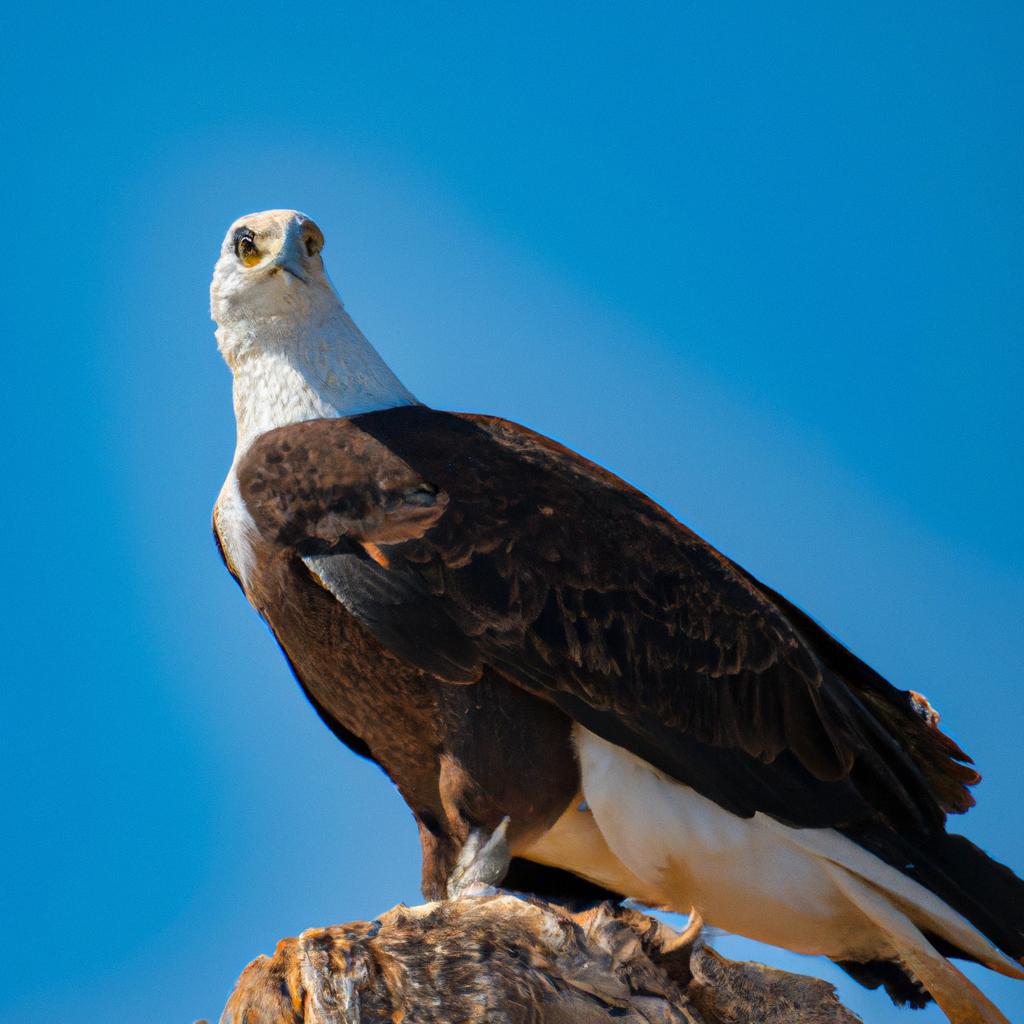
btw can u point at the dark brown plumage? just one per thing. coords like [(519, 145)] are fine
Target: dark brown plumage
[(469, 546), (510, 630), (455, 591)]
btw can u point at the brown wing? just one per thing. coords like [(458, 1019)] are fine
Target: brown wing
[(469, 541)]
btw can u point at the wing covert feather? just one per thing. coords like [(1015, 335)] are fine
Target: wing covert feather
[(574, 585)]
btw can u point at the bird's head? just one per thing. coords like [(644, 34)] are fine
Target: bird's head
[(270, 268), (293, 351)]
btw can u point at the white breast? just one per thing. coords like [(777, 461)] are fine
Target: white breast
[(236, 529)]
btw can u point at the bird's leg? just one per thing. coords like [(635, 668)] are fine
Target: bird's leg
[(482, 863)]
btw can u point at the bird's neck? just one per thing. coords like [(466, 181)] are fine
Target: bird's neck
[(286, 372)]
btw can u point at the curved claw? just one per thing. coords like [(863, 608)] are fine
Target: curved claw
[(483, 862)]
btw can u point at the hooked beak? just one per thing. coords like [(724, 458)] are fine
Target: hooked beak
[(289, 265), (289, 256)]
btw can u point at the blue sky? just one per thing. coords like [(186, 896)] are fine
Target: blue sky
[(766, 265)]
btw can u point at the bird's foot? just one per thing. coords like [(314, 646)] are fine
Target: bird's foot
[(482, 864), (672, 950)]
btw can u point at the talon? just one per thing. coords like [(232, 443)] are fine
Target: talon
[(674, 955), (482, 863)]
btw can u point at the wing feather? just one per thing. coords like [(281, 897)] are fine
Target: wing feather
[(533, 561)]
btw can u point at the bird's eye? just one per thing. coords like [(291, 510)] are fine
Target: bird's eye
[(313, 245), (245, 249)]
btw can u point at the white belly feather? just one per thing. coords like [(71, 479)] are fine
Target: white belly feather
[(751, 876), (737, 873)]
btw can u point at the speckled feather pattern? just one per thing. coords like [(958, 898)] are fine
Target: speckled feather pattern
[(502, 959)]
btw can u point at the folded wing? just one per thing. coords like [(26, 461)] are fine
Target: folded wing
[(466, 541)]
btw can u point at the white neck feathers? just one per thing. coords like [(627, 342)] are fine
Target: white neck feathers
[(287, 370)]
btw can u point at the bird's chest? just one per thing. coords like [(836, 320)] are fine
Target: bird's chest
[(464, 756), (236, 531)]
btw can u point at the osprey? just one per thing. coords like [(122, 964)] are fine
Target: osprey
[(508, 629)]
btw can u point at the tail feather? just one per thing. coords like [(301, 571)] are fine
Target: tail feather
[(961, 1000), (984, 891), (889, 975), (932, 909)]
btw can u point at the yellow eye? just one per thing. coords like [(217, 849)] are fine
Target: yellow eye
[(246, 251)]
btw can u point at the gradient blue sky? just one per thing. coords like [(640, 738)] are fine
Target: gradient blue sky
[(766, 264)]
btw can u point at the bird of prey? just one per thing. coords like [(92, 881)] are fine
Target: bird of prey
[(508, 629)]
